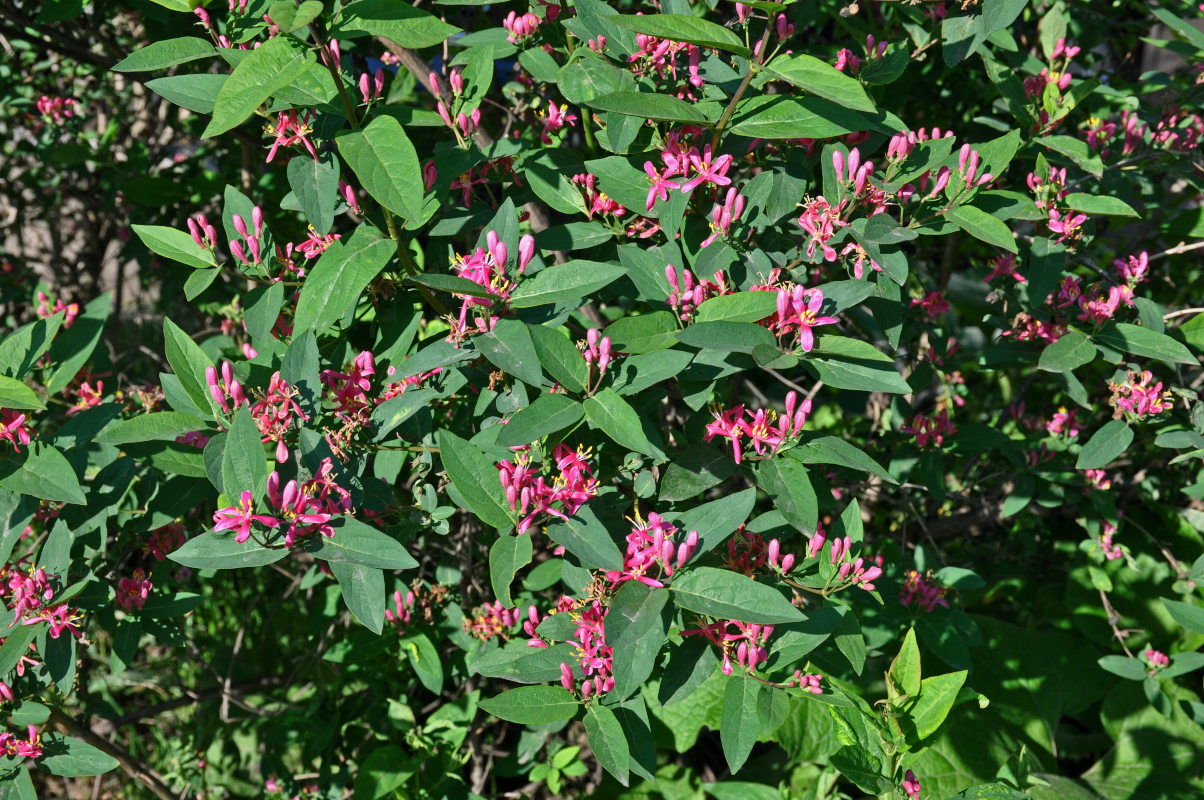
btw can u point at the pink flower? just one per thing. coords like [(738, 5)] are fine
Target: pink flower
[(1068, 227), (911, 785), (798, 311), (14, 429), (239, 517), (133, 591), (660, 185), (1004, 266), (557, 118), (707, 170)]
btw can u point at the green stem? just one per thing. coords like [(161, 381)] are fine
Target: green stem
[(586, 120), (753, 69)]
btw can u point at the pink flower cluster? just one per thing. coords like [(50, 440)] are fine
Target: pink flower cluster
[(290, 129), (857, 572), (253, 241), (1138, 396), (930, 428), (722, 216), (923, 595), (846, 59), (688, 292), (796, 314), (911, 785), (744, 640), (596, 353), (932, 304), (162, 541), (820, 221), (1063, 422), (15, 747), (1004, 266), (45, 310), (1048, 191), (491, 620), (657, 58), (58, 108), (651, 549), (520, 26), (303, 509), (1107, 546), (29, 596), (593, 652), (402, 612), (487, 269), (1156, 659), (557, 118), (14, 428), (133, 591), (765, 431), (530, 495), (274, 413)]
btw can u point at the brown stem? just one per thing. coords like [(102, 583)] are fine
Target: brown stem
[(132, 767)]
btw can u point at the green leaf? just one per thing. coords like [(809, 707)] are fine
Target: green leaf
[(451, 283), (263, 305), (363, 591), (659, 107), (1106, 205), (41, 471), (22, 348), (548, 414), (862, 769), (740, 725), (737, 307), (983, 226), (399, 22), (174, 244), (1071, 351), (71, 758), (589, 77), (683, 28), (999, 14), (16, 395), (518, 663), (218, 550), (1076, 150), (1184, 29), (146, 427), (356, 542), (787, 117), (1107, 444), (586, 537), (789, 486), (611, 414), (339, 276), (849, 640), (831, 450), (1186, 614), (193, 92), (645, 333), (572, 280), (189, 363), (846, 363), (476, 480), (386, 163), (637, 373), (937, 696), (560, 358), (1141, 341), (532, 705), (729, 595), (1124, 666), (904, 671), (821, 78), (165, 53), (507, 556), (509, 348), (289, 16), (636, 626), (608, 741), (425, 660), (264, 71), (16, 645), (316, 185), (741, 337), (548, 171), (693, 471), (244, 467), (716, 520), (992, 791)]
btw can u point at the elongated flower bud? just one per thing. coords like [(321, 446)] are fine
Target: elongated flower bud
[(526, 252)]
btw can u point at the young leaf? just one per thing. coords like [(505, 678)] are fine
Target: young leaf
[(315, 182), (399, 22), (560, 358), (218, 550), (937, 696), (189, 363), (983, 226), (904, 671), (572, 280), (165, 53), (174, 244), (789, 485), (548, 414), (145, 427), (820, 78)]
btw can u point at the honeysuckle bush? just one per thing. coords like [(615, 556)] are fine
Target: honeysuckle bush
[(741, 400)]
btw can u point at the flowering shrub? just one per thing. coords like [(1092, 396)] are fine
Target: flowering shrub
[(742, 399)]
